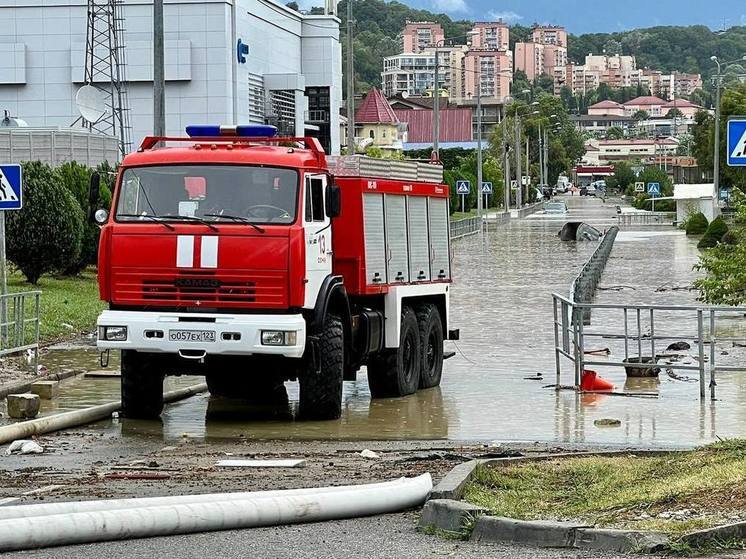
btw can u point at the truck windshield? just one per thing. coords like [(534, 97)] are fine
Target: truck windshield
[(209, 192)]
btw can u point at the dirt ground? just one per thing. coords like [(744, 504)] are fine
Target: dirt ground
[(91, 463)]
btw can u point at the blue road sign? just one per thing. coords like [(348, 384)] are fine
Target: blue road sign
[(11, 191), (486, 188), (463, 187), (654, 188), (737, 142), (725, 193)]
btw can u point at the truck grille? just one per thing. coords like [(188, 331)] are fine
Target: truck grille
[(206, 290), (229, 289)]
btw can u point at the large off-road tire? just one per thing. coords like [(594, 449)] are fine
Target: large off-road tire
[(142, 386), (431, 342), (321, 390), (396, 372)]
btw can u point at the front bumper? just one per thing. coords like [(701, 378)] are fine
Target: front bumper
[(234, 334)]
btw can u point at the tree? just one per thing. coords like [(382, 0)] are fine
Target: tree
[(293, 6), (733, 104), (612, 47), (640, 115), (622, 178), (614, 133), (44, 236), (674, 113)]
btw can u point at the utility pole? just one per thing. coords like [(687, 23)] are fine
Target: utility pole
[(350, 84), (479, 149), (546, 156), (436, 107), (519, 190), (541, 155), (716, 157), (159, 81)]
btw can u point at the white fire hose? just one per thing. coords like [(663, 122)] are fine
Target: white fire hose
[(214, 512)]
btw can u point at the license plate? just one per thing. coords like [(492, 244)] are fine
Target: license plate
[(191, 336)]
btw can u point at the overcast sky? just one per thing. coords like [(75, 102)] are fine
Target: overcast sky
[(595, 16)]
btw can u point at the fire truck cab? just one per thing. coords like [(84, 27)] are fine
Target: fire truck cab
[(253, 260)]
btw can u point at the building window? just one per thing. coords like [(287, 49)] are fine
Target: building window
[(372, 135), (256, 99)]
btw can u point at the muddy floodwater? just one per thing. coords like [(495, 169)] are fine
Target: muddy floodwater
[(501, 300)]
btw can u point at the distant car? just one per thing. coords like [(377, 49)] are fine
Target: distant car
[(589, 190), (555, 208), (561, 187)]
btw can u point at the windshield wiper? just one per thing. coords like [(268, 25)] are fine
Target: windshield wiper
[(154, 218), (238, 218), (189, 218)]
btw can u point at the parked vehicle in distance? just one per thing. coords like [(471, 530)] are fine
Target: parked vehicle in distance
[(589, 190), (555, 208)]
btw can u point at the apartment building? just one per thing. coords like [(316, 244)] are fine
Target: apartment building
[(546, 51), (483, 64), (494, 35), (418, 36)]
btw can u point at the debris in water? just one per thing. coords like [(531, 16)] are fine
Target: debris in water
[(679, 346), (608, 422), (369, 454)]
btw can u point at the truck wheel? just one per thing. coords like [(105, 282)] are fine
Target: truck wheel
[(321, 391), (142, 386), (396, 372), (431, 340)]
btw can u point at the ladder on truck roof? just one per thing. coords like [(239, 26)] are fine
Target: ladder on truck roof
[(405, 170)]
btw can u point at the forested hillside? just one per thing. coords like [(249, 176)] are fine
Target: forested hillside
[(378, 25)]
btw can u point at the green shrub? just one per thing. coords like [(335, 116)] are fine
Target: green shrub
[(696, 224), (45, 235), (77, 179), (730, 238), (715, 232)]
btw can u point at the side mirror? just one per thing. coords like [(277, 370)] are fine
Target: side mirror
[(93, 194), (333, 200), (101, 216)]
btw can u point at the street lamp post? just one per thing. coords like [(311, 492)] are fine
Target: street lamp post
[(716, 156), (479, 146)]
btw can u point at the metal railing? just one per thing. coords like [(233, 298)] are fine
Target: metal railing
[(464, 227), (697, 323), (646, 218), (584, 286), (19, 323)]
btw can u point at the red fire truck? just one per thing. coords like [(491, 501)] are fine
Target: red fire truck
[(253, 259)]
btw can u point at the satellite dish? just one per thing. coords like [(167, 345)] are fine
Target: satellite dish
[(91, 103), (405, 94)]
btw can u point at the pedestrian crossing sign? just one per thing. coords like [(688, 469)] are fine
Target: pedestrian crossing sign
[(736, 143), (11, 191), (462, 187)]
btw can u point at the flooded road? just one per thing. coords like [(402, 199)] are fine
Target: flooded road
[(501, 301)]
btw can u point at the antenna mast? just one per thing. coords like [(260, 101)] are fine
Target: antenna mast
[(105, 69)]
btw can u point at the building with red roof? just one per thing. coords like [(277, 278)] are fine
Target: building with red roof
[(606, 108), (376, 123)]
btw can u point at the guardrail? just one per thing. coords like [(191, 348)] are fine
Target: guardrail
[(570, 337), (584, 286), (646, 218), (464, 227), (19, 323)]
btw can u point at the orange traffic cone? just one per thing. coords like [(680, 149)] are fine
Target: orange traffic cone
[(591, 382)]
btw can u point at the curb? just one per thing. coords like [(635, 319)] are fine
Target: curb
[(726, 532), (25, 385), (621, 541), (541, 533), (452, 485), (449, 515)]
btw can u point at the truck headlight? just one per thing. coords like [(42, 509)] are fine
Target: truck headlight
[(112, 333), (279, 337)]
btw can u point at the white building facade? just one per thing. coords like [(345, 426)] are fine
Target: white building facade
[(291, 76)]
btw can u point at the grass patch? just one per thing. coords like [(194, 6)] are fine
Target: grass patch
[(455, 216), (73, 301), (642, 493)]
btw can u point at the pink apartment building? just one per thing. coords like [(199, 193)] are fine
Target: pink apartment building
[(418, 36), (491, 35), (488, 70)]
